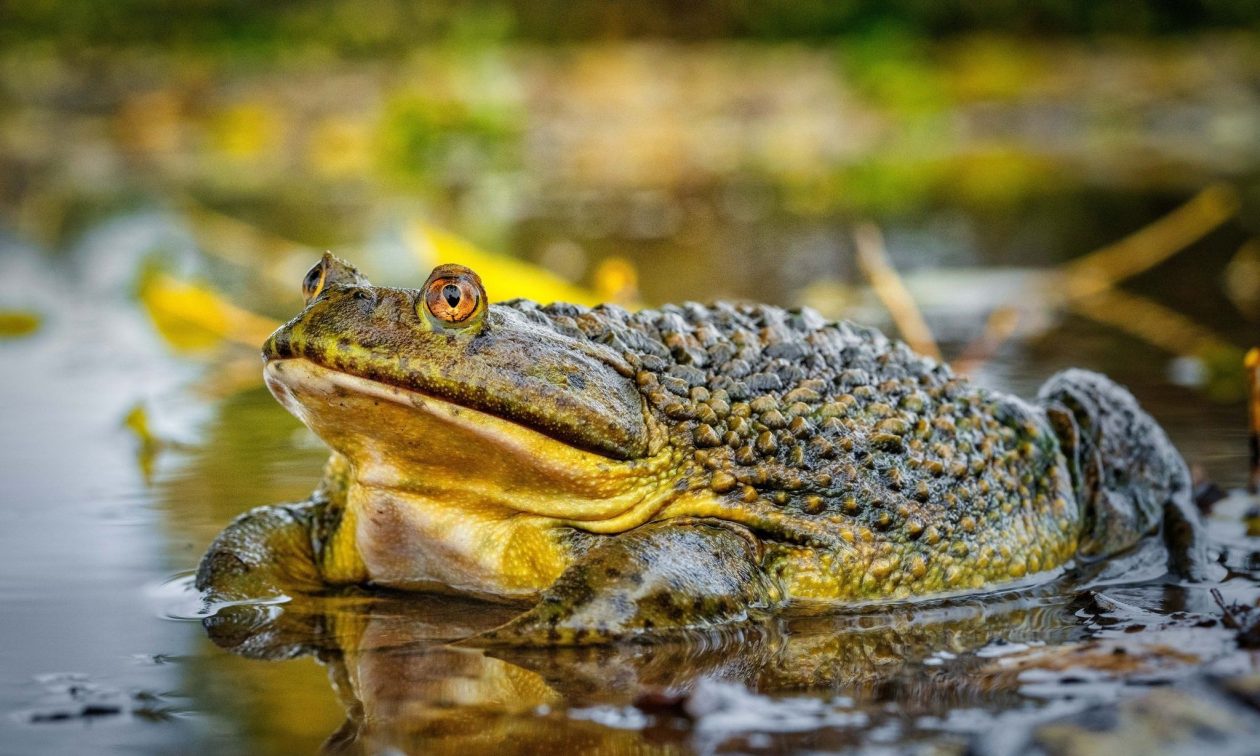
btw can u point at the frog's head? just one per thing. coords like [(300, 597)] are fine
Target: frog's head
[(416, 386)]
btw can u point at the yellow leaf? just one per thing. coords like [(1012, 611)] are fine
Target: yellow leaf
[(504, 277), (196, 318), (17, 323)]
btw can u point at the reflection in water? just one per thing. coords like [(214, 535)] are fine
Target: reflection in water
[(406, 682)]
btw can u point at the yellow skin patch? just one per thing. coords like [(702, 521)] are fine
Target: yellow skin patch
[(445, 495)]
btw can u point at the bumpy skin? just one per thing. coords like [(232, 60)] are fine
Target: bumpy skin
[(873, 472), (779, 456)]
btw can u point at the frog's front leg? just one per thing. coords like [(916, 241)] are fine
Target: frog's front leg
[(285, 548), (267, 551), (670, 575)]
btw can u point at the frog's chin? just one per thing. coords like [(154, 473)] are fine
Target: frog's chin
[(429, 448)]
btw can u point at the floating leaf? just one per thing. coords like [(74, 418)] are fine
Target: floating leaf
[(191, 317), (503, 277), (15, 324)]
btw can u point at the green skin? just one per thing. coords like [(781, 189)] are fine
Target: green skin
[(839, 465)]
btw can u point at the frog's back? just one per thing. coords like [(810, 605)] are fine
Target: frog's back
[(868, 471)]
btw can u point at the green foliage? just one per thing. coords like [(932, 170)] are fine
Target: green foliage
[(374, 27)]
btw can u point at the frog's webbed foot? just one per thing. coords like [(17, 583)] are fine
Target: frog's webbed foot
[(268, 551), (1128, 476), (671, 575)]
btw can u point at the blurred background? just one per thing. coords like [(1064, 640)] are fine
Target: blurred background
[(1017, 186)]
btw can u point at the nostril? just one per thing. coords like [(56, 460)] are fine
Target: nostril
[(365, 299)]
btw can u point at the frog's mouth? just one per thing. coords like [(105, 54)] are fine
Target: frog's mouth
[(577, 392), (402, 439)]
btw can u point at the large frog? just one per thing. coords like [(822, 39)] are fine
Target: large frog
[(686, 467)]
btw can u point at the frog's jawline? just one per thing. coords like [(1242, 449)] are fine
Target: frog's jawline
[(528, 483), (407, 396), (534, 472), (401, 395)]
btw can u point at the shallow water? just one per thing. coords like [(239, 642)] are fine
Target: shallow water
[(105, 646)]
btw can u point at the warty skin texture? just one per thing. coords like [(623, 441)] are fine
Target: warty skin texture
[(573, 454)]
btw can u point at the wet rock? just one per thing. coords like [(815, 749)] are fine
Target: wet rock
[(1192, 720)]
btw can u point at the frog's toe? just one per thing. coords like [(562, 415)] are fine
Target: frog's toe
[(660, 577), (265, 552)]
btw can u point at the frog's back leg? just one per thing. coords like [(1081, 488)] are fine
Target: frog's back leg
[(1127, 474), (671, 575)]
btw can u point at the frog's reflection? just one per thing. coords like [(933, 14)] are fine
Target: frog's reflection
[(407, 684)]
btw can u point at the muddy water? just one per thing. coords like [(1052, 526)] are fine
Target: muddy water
[(104, 646)]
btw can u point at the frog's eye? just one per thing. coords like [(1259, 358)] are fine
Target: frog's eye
[(453, 294), (313, 283), (330, 271)]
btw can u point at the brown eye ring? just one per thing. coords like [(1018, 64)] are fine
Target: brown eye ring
[(452, 299)]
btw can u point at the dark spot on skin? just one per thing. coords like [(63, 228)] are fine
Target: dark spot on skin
[(577, 381), (612, 572), (648, 624), (665, 603)]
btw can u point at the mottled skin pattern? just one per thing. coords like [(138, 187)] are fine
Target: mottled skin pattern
[(711, 462)]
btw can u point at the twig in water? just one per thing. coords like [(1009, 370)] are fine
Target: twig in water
[(1149, 321), (1148, 246), (873, 260), (1252, 364), (998, 329)]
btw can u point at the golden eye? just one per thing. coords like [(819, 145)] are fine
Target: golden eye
[(452, 299), (313, 283)]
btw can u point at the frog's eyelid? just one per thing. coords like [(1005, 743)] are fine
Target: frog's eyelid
[(312, 290)]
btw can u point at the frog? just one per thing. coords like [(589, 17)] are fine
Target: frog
[(690, 468)]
